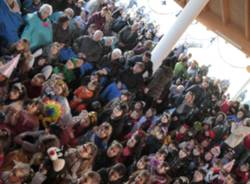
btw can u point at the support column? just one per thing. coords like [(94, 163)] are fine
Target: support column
[(168, 41)]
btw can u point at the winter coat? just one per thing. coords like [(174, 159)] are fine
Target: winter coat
[(128, 38), (92, 49), (62, 35), (160, 79), (113, 67), (37, 31), (134, 82), (238, 133), (10, 23)]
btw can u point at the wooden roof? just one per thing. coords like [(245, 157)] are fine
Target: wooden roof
[(228, 18)]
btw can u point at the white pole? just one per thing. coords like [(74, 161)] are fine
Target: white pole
[(168, 41)]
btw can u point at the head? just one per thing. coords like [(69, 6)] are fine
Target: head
[(104, 11), (160, 155), (115, 149), (116, 54), (143, 177), (118, 111), (32, 106), (38, 80), (23, 45), (190, 97), (98, 35), (138, 68), (17, 92), (87, 151), (146, 56), (208, 156), (142, 163), (133, 141), (45, 11), (69, 12), (64, 21), (90, 177), (198, 176), (182, 180), (150, 112), (104, 131), (19, 173), (148, 44), (117, 172), (135, 27), (165, 118), (92, 29)]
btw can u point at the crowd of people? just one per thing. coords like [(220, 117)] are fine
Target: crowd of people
[(81, 104)]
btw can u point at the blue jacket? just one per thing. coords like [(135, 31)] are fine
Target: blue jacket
[(38, 32), (10, 23)]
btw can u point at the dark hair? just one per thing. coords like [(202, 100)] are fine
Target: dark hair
[(62, 20), (120, 168), (148, 54)]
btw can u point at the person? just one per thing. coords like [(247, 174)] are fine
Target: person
[(146, 59), (38, 29), (99, 18), (127, 37), (11, 21), (61, 31), (90, 47)]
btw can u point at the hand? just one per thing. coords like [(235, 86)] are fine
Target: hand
[(70, 65), (146, 90), (79, 63), (81, 55)]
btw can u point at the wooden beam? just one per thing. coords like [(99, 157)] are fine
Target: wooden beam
[(224, 11), (230, 32), (247, 19)]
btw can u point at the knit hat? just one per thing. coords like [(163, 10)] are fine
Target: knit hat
[(55, 155)]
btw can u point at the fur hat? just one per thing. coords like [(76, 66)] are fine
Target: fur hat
[(55, 155)]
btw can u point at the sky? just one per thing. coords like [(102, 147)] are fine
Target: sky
[(227, 62)]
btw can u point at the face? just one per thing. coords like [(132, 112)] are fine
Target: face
[(208, 156), (66, 24), (16, 176), (137, 69), (113, 175), (14, 94), (37, 81), (85, 151), (140, 179), (219, 118), (198, 176), (113, 151), (131, 142), (87, 180), (55, 49), (189, 98), (160, 157), (103, 132), (149, 113), (182, 154), (141, 164), (20, 45), (196, 151), (164, 119), (240, 115), (97, 36), (45, 14), (117, 112), (32, 108)]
